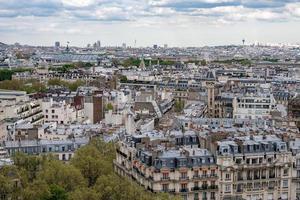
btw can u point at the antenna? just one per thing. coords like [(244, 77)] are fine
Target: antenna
[(134, 43)]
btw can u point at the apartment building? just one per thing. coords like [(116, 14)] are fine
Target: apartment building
[(60, 111), (61, 149), (174, 165), (255, 167), (254, 106)]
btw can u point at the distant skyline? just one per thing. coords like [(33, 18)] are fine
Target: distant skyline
[(173, 22)]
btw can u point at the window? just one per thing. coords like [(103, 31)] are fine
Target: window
[(196, 196), (165, 176), (285, 172), (163, 163), (63, 148), (227, 188), (183, 186), (63, 157), (285, 183), (165, 187), (196, 173), (212, 195), (227, 176), (196, 184), (270, 196), (183, 175), (213, 172), (46, 110), (53, 111)]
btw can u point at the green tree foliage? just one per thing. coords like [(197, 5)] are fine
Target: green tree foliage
[(70, 85), (6, 74), (6, 187), (89, 176), (203, 62), (131, 62), (82, 65), (109, 106), (63, 69), (244, 62), (84, 194), (179, 105), (29, 86), (123, 79), (136, 62), (65, 176)]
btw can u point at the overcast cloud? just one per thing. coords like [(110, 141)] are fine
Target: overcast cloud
[(175, 22)]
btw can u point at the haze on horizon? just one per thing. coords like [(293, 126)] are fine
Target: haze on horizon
[(172, 22)]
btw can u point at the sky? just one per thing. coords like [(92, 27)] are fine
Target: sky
[(173, 22)]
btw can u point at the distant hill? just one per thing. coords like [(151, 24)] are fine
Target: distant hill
[(3, 45)]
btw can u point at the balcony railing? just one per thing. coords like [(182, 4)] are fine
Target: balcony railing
[(183, 178), (165, 178), (213, 187), (196, 188), (184, 190), (272, 176)]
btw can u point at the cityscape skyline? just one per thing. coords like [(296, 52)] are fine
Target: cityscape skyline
[(176, 23)]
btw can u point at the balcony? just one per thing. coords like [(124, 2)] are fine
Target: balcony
[(196, 188), (271, 187), (184, 178), (172, 190), (239, 190), (213, 187), (240, 178), (272, 176), (165, 178), (196, 176), (214, 175), (204, 187), (183, 190)]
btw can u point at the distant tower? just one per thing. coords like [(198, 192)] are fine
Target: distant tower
[(243, 41), (99, 44), (142, 64), (134, 43), (150, 63), (57, 44), (210, 86), (68, 49)]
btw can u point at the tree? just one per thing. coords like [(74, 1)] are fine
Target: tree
[(91, 164), (179, 105), (6, 187), (57, 193), (123, 79), (38, 190), (66, 176), (109, 106), (84, 194), (203, 62)]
